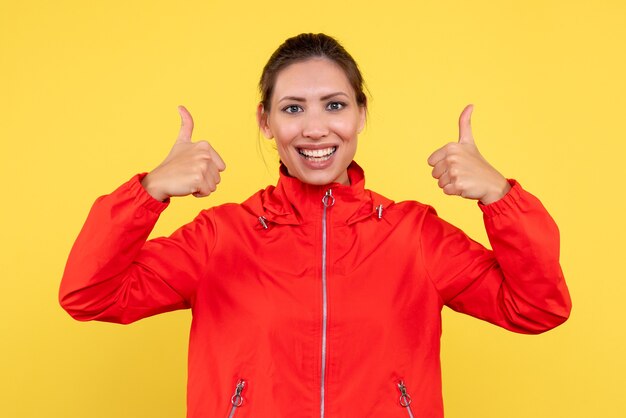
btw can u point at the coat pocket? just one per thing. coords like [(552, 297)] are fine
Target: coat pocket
[(237, 400), (405, 398)]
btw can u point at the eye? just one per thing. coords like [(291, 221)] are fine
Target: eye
[(292, 109), (335, 105)]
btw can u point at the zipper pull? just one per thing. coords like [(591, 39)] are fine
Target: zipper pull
[(328, 200), (237, 399), (405, 399)]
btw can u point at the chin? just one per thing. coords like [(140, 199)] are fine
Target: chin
[(320, 179), (316, 181), (319, 173)]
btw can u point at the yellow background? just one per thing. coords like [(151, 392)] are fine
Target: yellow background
[(88, 96)]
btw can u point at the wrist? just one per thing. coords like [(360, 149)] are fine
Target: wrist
[(497, 192), (151, 188)]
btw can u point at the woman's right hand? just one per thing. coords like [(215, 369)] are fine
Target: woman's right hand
[(190, 167)]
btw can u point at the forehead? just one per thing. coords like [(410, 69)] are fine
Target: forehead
[(313, 77)]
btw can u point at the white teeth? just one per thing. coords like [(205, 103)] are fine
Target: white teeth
[(318, 153)]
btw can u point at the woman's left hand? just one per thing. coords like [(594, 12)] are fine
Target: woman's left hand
[(462, 170)]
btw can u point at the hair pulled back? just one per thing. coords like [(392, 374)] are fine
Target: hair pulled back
[(301, 48)]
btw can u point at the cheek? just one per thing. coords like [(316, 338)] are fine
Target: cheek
[(346, 128), (285, 133)]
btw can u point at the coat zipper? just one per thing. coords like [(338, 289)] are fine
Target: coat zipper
[(237, 399), (405, 398), (328, 200)]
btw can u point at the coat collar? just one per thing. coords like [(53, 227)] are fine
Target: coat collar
[(292, 202)]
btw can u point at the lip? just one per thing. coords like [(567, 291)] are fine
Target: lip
[(316, 146), (317, 153), (314, 163)]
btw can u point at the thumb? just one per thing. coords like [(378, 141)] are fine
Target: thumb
[(186, 125), (465, 125)]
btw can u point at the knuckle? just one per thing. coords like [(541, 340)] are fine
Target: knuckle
[(205, 156), (202, 169), (452, 157), (196, 178), (452, 160), (452, 147), (203, 145), (201, 190)]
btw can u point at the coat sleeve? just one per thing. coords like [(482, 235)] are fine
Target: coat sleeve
[(114, 275), (519, 285)]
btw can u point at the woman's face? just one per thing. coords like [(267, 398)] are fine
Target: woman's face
[(315, 121)]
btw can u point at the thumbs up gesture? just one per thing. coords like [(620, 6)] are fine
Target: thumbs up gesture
[(190, 167), (461, 170)]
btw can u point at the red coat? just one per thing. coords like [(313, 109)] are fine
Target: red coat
[(305, 311)]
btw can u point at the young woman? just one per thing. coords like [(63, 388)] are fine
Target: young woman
[(316, 297)]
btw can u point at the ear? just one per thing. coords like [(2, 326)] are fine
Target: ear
[(362, 118), (262, 121)]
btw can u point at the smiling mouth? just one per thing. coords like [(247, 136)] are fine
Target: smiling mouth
[(317, 154)]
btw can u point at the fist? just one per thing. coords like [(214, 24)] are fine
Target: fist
[(461, 170), (191, 168)]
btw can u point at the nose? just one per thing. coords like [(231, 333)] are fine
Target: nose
[(315, 126)]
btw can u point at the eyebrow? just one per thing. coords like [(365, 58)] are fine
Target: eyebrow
[(302, 99)]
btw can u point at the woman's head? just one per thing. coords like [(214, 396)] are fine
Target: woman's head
[(314, 107)]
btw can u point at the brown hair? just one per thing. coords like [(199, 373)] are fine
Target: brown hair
[(301, 48)]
